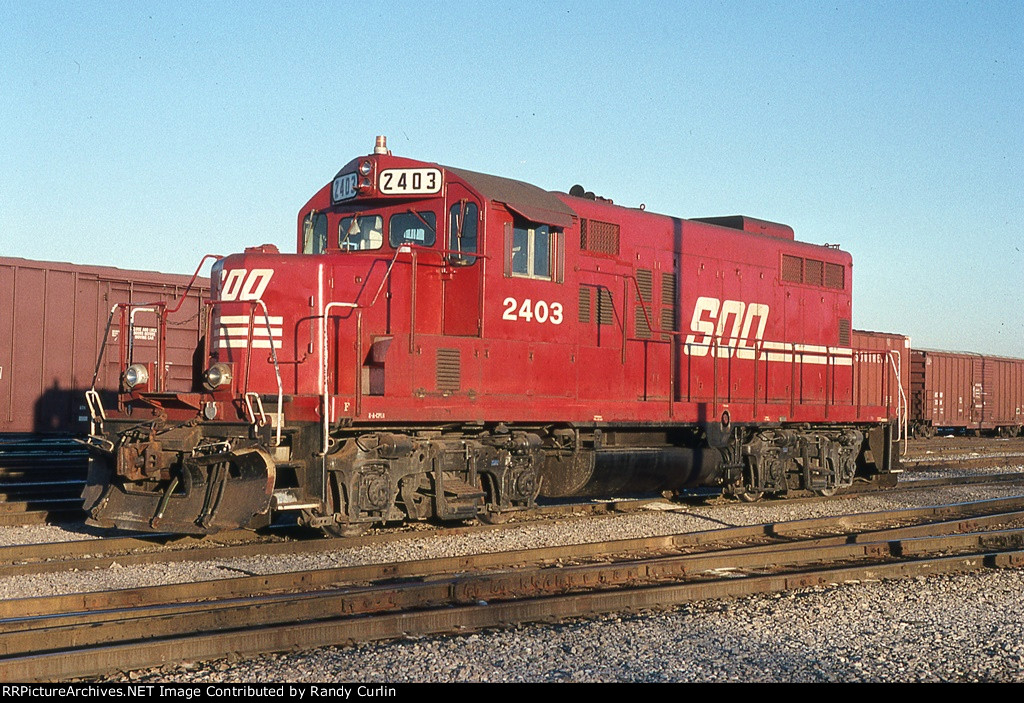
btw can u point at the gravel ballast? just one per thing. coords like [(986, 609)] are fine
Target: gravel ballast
[(941, 628)]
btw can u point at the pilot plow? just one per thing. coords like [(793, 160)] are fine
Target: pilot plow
[(141, 485)]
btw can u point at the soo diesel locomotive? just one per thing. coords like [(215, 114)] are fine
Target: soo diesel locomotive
[(450, 344)]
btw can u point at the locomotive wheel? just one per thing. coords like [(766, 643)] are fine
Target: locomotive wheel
[(750, 497), (826, 492), (490, 517), (335, 505)]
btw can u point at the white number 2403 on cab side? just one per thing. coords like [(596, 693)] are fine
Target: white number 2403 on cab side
[(532, 311)]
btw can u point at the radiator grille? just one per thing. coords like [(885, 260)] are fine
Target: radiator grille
[(668, 303), (643, 330), (814, 272), (792, 269), (668, 289), (668, 319), (835, 276), (449, 371)]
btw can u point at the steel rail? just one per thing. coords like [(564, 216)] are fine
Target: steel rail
[(128, 551), (981, 462), (88, 554), (269, 625), (82, 607)]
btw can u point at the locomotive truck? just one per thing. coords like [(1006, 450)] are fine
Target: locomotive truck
[(450, 344)]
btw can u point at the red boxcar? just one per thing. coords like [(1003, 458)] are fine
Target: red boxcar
[(963, 391), (53, 323), (450, 343)]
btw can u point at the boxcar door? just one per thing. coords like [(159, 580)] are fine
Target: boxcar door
[(462, 274), (977, 389)]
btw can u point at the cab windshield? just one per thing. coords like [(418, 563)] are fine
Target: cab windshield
[(365, 231), (360, 233), (418, 228)]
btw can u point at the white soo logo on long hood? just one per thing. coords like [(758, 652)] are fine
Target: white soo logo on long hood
[(712, 317), (734, 328)]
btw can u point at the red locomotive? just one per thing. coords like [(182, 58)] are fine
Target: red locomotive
[(452, 344)]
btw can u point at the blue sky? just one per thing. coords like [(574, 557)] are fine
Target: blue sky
[(146, 135)]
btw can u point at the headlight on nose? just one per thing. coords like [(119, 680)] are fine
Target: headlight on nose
[(217, 375), (136, 375)]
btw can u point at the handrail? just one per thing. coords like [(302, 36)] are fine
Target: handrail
[(640, 297), (188, 286), (103, 347), (157, 309), (325, 314), (202, 262), (325, 390), (248, 359), (790, 354), (902, 404), (387, 273), (95, 404), (141, 306), (438, 250)]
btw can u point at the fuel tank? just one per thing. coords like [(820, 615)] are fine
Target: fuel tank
[(604, 472)]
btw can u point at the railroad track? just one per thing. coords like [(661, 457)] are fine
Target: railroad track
[(967, 451), (81, 635), (985, 461), (88, 554), (41, 479), (949, 444), (138, 550)]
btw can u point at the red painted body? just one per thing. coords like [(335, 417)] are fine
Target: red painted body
[(525, 351)]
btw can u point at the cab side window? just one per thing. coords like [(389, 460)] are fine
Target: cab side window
[(462, 236), (530, 250), (359, 233), (314, 233)]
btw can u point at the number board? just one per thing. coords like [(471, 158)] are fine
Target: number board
[(410, 181), (344, 187)]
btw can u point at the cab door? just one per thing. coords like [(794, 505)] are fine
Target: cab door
[(461, 275)]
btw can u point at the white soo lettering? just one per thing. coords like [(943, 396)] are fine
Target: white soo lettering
[(728, 327), (242, 284), (731, 323)]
